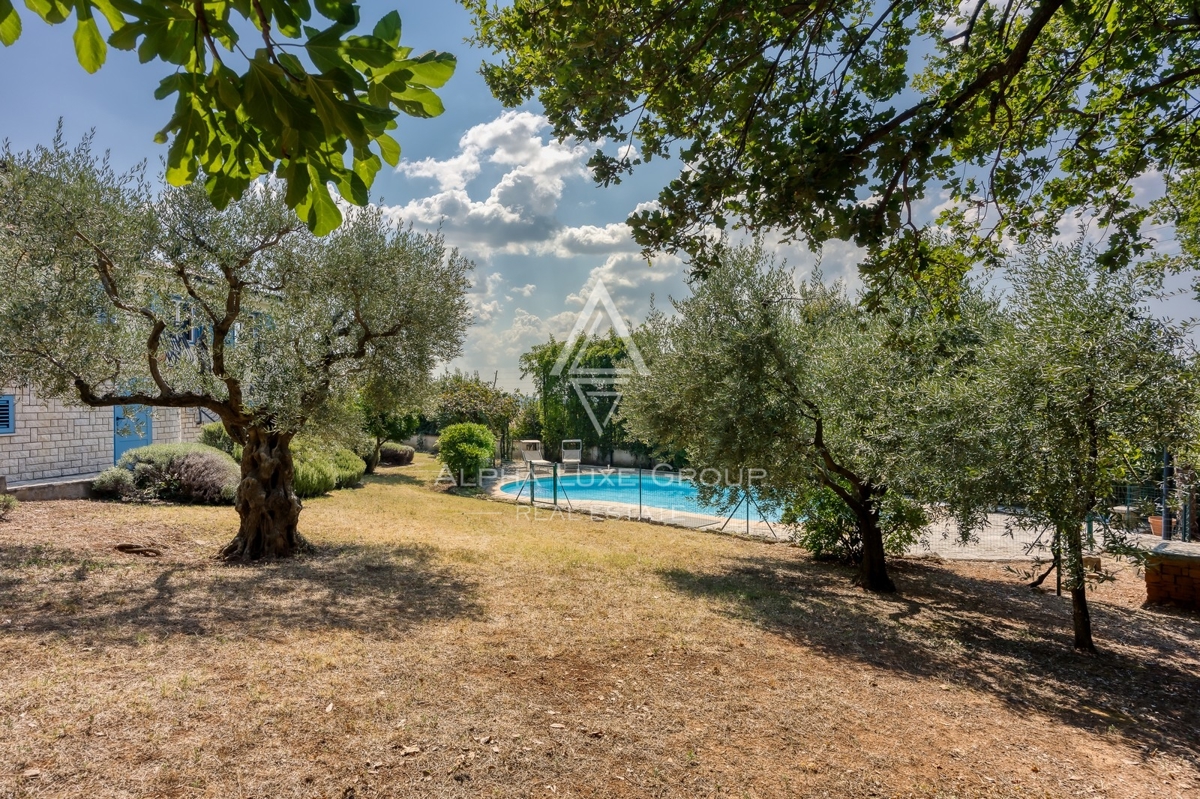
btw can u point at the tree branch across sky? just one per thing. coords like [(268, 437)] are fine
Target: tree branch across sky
[(313, 103), (831, 119)]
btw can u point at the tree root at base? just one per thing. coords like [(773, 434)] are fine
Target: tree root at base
[(235, 550)]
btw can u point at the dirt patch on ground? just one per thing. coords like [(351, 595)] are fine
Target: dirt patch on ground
[(445, 646)]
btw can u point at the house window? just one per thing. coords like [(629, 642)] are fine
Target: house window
[(8, 415)]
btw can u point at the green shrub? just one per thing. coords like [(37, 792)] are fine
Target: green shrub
[(321, 467), (159, 455), (312, 478), (396, 454), (824, 525), (349, 467), (182, 473), (113, 483), (466, 448), (8, 503), (215, 435)]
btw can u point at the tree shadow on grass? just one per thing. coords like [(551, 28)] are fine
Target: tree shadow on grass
[(996, 636), (375, 590)]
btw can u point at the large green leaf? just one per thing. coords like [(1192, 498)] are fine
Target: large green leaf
[(10, 23), (277, 116), (325, 48), (89, 44), (417, 101), (388, 28), (368, 50), (389, 149), (334, 114), (354, 188), (51, 11), (116, 20), (324, 216), (338, 10), (298, 183), (166, 87), (190, 131), (431, 69)]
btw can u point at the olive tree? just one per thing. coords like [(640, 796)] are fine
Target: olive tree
[(755, 372), (1083, 385), (117, 294)]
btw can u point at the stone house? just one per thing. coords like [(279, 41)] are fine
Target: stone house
[(48, 439)]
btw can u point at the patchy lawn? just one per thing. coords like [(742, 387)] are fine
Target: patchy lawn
[(445, 646)]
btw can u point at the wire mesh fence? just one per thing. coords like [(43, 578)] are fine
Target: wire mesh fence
[(1006, 534)]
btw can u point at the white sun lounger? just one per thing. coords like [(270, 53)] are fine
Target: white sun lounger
[(531, 453), (572, 453)]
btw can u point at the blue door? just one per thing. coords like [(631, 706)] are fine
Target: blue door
[(132, 428)]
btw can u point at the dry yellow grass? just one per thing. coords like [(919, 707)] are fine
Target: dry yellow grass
[(446, 646)]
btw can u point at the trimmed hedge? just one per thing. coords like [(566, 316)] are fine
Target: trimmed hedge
[(312, 478), (320, 468), (205, 479), (113, 483), (349, 467), (215, 435), (396, 454)]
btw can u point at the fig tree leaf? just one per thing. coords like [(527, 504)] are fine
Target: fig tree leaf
[(90, 48), (10, 23)]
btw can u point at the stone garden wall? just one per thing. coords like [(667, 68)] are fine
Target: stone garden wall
[(1173, 574)]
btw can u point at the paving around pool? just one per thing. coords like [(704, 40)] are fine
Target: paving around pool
[(663, 497)]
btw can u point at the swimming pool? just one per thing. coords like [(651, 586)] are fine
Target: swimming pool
[(662, 491)]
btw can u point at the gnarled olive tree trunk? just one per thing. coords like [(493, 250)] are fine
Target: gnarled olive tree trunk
[(268, 507)]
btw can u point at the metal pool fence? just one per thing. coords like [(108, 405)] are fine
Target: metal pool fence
[(1002, 537)]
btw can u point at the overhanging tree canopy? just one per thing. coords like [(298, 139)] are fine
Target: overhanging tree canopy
[(117, 295), (294, 110), (831, 119)]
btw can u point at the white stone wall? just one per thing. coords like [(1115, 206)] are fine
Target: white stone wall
[(190, 422), (176, 425), (54, 439)]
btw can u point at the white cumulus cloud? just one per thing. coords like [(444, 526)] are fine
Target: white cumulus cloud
[(519, 213)]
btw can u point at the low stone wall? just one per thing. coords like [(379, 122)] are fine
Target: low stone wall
[(80, 488), (422, 442), (621, 458), (1173, 574)]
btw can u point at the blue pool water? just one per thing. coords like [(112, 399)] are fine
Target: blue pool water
[(662, 491)]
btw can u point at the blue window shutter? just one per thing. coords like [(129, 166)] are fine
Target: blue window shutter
[(8, 414)]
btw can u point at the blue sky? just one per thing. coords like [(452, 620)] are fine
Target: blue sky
[(519, 204)]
